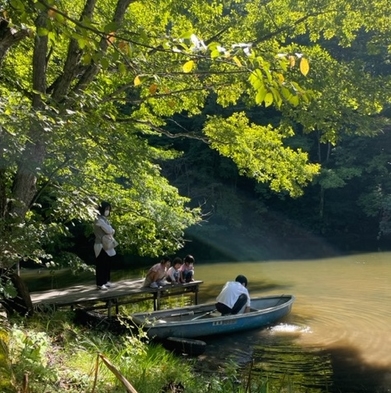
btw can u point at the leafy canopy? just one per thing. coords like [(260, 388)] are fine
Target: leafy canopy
[(86, 85)]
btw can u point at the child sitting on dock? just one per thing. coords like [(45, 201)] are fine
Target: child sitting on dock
[(187, 269), (156, 275), (173, 274)]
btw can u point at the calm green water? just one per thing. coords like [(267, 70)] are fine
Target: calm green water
[(339, 332)]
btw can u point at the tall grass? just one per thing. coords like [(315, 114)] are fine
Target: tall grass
[(50, 353)]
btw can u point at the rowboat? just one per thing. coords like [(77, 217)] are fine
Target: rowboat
[(203, 320)]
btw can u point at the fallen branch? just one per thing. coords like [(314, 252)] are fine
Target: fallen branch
[(128, 386)]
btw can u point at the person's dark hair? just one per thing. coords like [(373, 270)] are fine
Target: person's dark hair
[(103, 206), (165, 258), (189, 259), (177, 260), (241, 279)]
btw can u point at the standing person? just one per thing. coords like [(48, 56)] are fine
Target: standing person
[(104, 251), (156, 275), (187, 269), (233, 297), (173, 274)]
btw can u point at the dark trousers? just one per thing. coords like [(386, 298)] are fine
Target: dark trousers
[(225, 310), (102, 268)]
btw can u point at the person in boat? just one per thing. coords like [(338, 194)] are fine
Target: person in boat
[(173, 274), (233, 297), (156, 275), (187, 269)]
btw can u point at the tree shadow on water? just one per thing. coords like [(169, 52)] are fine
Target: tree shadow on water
[(338, 369), (353, 375)]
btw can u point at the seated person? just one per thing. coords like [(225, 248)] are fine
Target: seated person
[(156, 275), (173, 275), (187, 269), (233, 297)]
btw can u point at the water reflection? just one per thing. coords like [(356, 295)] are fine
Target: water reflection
[(338, 334)]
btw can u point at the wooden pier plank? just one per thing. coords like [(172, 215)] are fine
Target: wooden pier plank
[(124, 292)]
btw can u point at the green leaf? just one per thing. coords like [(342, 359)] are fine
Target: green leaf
[(268, 99), (17, 4), (110, 27), (261, 94), (286, 93)]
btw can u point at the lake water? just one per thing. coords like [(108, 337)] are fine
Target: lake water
[(338, 336)]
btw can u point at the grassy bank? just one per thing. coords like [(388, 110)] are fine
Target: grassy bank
[(50, 353)]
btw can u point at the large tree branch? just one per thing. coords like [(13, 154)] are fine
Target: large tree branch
[(9, 36), (286, 28), (91, 71), (61, 85)]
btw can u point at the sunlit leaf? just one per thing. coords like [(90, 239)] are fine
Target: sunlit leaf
[(304, 66), (260, 96), (188, 66), (268, 99), (286, 93), (294, 100), (292, 61), (137, 81), (237, 61), (280, 78)]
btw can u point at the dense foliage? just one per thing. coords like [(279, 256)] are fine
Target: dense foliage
[(90, 87)]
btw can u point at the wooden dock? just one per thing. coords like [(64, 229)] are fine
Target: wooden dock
[(124, 292)]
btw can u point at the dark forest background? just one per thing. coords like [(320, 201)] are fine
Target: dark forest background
[(344, 210)]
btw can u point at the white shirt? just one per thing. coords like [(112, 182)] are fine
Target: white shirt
[(230, 293)]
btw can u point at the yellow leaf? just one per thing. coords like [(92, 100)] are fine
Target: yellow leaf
[(188, 66), (237, 61), (137, 81), (281, 78), (292, 61), (304, 66)]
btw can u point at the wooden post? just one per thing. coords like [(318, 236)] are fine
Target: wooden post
[(158, 299), (109, 308), (196, 294)]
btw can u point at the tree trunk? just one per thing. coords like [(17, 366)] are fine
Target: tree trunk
[(21, 303)]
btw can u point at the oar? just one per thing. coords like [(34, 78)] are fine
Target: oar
[(180, 314), (204, 315)]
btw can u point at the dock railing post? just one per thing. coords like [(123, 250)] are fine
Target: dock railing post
[(196, 294), (158, 299)]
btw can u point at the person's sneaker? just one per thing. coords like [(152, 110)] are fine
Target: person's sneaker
[(162, 283), (103, 287), (154, 285), (110, 284)]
